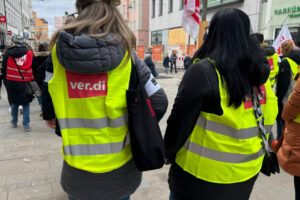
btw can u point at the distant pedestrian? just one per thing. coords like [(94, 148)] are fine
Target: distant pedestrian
[(17, 69), (39, 67), (92, 68), (187, 62), (288, 69), (149, 62), (173, 59), (289, 152), (212, 138), (166, 63)]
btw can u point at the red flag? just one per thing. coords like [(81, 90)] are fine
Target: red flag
[(191, 17)]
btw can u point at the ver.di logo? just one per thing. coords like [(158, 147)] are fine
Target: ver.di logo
[(86, 85)]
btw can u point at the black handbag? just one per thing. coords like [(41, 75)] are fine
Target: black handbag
[(146, 140), (270, 163), (31, 88)]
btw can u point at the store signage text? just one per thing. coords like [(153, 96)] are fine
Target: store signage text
[(293, 11)]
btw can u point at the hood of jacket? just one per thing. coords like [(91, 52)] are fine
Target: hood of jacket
[(88, 55), (294, 55), (269, 51), (17, 51)]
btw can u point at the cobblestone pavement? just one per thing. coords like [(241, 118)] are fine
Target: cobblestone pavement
[(30, 163)]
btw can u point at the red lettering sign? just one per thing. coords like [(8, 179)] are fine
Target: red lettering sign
[(271, 64), (140, 50), (262, 98), (86, 85), (9, 32), (2, 19)]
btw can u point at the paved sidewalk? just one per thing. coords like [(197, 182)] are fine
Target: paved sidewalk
[(30, 163)]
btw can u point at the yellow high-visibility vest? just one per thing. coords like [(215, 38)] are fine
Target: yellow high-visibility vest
[(92, 113), (274, 68), (295, 68), (228, 148)]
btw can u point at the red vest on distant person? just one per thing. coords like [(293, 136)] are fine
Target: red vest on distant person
[(24, 63)]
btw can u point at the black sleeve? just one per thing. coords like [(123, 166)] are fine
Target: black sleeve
[(194, 88), (283, 82), (48, 108), (4, 66), (159, 100)]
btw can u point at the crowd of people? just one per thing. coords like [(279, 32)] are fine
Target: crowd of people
[(234, 89), (20, 66)]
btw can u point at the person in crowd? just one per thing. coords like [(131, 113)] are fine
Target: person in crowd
[(288, 69), (7, 46), (289, 152), (187, 62), (91, 74), (39, 68), (273, 60), (148, 61), (17, 69), (166, 63), (211, 137), (272, 57), (173, 59)]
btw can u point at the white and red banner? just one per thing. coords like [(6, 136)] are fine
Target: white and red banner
[(191, 17), (284, 35)]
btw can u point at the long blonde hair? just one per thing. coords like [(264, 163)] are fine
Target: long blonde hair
[(95, 15)]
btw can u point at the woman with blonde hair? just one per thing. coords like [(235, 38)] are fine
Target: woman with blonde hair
[(288, 70), (92, 68)]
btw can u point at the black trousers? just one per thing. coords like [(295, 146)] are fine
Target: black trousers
[(297, 187), (184, 186), (175, 68)]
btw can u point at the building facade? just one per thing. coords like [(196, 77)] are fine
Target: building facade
[(26, 18), (136, 14), (165, 21), (14, 18), (2, 25), (41, 29), (18, 19), (277, 13)]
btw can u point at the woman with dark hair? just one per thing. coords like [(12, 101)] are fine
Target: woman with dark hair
[(212, 139), (92, 68)]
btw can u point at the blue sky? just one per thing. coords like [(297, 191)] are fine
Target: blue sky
[(48, 9)]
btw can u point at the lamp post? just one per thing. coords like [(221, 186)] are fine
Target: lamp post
[(4, 2)]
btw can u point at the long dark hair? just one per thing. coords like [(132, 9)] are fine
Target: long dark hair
[(238, 58)]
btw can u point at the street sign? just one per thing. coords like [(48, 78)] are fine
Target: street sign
[(2, 19), (9, 32)]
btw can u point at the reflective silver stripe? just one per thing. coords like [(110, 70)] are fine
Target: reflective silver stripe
[(272, 78), (18, 70), (92, 123), (48, 76), (222, 156), (18, 77), (96, 149), (223, 129)]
